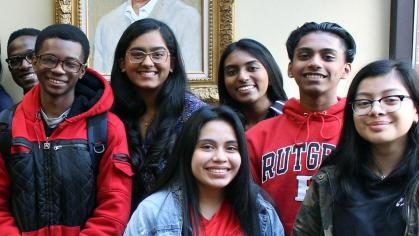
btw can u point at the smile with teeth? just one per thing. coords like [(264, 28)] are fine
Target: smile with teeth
[(245, 88), (28, 76), (314, 76), (217, 170), (148, 73), (53, 81)]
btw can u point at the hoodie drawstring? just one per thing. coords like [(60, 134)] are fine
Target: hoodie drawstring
[(306, 122)]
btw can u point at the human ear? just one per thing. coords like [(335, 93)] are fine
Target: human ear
[(122, 65), (290, 70), (346, 70), (82, 71), (35, 64)]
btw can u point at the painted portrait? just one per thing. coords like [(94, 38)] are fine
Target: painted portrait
[(203, 29), (109, 19)]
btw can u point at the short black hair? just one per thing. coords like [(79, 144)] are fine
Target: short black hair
[(65, 32), (328, 27), (22, 32)]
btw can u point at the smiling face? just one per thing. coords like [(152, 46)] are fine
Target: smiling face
[(57, 82), (246, 79), (319, 64), (378, 126), (24, 75), (216, 159), (147, 75)]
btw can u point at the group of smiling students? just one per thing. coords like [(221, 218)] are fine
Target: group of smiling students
[(317, 165)]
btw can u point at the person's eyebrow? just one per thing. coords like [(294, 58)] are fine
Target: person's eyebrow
[(384, 92), (29, 51), (151, 49), (246, 63), (308, 49), (328, 50)]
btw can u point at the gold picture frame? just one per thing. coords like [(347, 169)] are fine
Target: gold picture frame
[(219, 28)]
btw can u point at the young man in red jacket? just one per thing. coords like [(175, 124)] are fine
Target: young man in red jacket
[(50, 184), (287, 150)]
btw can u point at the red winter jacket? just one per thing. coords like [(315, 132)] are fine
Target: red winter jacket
[(287, 150), (50, 185)]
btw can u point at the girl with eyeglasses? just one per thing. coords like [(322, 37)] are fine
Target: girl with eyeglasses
[(370, 184), (207, 188), (151, 98), (250, 82)]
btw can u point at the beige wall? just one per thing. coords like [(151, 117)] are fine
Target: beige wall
[(271, 21), (18, 14), (268, 21)]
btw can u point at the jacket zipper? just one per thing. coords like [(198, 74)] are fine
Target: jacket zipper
[(79, 145), (47, 153)]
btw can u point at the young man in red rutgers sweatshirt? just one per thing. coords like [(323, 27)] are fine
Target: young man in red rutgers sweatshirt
[(287, 150), (50, 184)]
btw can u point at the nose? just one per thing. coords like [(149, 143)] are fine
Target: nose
[(26, 63), (59, 68), (147, 61), (220, 156), (376, 108), (315, 62), (243, 75)]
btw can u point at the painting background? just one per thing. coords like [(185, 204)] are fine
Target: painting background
[(98, 8)]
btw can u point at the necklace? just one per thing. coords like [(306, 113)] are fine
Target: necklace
[(146, 122), (378, 171)]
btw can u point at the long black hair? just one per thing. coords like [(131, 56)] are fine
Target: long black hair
[(261, 53), (129, 105), (352, 150), (241, 192)]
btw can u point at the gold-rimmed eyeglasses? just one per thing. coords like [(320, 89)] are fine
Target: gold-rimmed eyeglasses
[(138, 56)]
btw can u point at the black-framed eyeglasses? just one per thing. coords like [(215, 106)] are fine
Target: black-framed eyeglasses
[(69, 65), (138, 56), (388, 104), (16, 61)]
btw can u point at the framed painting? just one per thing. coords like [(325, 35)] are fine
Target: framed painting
[(203, 30)]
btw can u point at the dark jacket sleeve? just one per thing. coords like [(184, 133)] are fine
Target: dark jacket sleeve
[(5, 99)]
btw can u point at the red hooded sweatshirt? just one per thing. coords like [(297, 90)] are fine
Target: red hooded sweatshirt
[(285, 151), (50, 185)]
